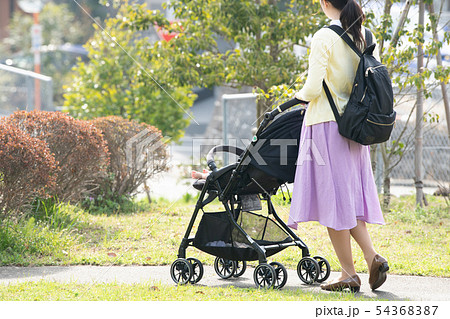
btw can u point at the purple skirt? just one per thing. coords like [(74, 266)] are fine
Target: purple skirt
[(334, 183)]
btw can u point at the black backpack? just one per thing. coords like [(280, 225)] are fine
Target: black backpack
[(369, 116)]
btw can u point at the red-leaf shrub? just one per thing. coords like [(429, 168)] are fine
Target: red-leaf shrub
[(27, 168), (137, 152), (78, 147)]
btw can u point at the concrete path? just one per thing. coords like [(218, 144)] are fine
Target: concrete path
[(396, 287)]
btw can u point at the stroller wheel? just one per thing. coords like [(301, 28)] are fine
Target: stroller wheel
[(197, 270), (324, 268), (308, 270), (264, 276), (225, 268), (241, 266), (181, 271), (280, 275)]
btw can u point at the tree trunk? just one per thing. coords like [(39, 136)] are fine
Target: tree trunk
[(401, 24), (386, 192), (387, 169), (439, 62), (373, 158), (418, 153), (147, 192)]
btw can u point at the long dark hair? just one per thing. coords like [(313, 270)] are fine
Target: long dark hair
[(351, 18)]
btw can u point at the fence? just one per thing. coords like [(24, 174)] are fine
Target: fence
[(239, 114), (436, 154), (17, 90)]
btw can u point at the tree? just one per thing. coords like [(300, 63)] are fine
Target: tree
[(235, 43), (120, 79), (398, 45)]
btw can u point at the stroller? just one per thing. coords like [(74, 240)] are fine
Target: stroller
[(237, 234)]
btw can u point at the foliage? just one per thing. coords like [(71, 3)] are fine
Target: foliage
[(56, 215), (399, 51), (124, 204), (85, 10), (398, 47), (40, 239), (77, 146), (120, 80), (407, 211), (27, 168), (137, 152), (234, 43)]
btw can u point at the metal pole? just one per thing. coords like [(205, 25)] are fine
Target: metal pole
[(36, 35), (30, 90), (49, 105), (225, 127)]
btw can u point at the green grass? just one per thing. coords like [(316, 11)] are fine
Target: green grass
[(414, 240), (46, 291), (30, 241)]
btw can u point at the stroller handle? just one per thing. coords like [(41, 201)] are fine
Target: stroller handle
[(221, 148), (283, 107)]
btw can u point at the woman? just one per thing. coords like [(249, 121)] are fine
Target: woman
[(334, 184)]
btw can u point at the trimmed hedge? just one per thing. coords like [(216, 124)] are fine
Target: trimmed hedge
[(50, 154), (27, 168), (137, 152), (77, 146)]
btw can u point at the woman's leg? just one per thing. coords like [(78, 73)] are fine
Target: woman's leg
[(377, 265), (342, 246), (362, 237)]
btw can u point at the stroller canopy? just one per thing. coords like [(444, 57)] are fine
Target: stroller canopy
[(277, 148)]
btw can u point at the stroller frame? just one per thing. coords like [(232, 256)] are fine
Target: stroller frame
[(228, 203), (190, 270)]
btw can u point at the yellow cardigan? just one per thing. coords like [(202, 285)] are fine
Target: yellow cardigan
[(331, 59)]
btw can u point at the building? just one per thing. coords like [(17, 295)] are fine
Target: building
[(7, 8)]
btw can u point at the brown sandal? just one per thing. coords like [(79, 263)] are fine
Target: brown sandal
[(353, 283), (378, 272)]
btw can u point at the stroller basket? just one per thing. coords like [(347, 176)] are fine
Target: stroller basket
[(216, 235)]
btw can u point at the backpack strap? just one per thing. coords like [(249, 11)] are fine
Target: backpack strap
[(330, 99), (344, 36), (369, 39)]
